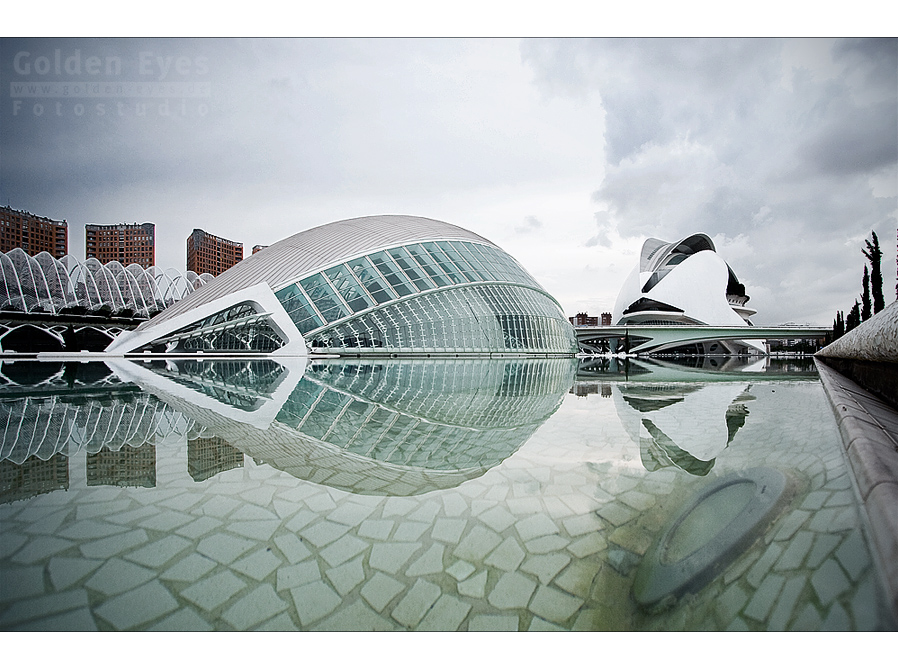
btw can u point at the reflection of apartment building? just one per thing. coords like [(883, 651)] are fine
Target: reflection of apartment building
[(208, 254), (33, 477), (32, 234), (127, 467), (128, 243), (207, 457)]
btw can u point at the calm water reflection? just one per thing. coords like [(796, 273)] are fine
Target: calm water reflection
[(424, 494)]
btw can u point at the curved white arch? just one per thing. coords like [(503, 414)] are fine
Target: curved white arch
[(44, 283)]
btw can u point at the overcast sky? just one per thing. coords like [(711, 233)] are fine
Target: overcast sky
[(566, 153)]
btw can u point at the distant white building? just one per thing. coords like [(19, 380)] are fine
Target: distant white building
[(686, 283)]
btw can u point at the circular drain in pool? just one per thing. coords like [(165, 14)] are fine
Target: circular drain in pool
[(717, 524)]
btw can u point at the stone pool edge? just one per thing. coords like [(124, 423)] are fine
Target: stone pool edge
[(869, 430)]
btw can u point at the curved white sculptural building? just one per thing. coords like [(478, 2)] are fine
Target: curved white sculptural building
[(685, 283), (371, 285)]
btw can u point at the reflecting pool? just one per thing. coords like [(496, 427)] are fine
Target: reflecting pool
[(432, 494)]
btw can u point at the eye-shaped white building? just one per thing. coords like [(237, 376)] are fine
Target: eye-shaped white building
[(685, 283), (366, 286)]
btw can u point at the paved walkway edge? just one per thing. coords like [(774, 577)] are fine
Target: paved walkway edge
[(869, 429)]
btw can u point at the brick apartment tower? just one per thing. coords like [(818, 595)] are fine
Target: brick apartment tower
[(210, 254), (128, 243), (32, 234)]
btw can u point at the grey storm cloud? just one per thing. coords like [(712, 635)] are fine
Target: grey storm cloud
[(565, 152), (731, 138)]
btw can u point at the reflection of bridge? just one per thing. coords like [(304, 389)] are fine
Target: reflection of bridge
[(648, 338)]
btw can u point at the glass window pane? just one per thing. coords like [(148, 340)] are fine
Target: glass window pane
[(412, 269), (366, 273), (460, 262), (298, 308), (392, 274), (349, 288), (448, 267), (473, 256), (323, 296), (433, 270)]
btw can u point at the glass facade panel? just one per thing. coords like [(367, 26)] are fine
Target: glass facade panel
[(349, 288), (433, 270), (326, 301), (467, 319), (372, 281), (391, 272), (473, 256), (412, 269), (447, 265), (468, 268), (298, 308)]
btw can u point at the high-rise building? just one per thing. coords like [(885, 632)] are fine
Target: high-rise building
[(32, 234), (584, 320), (129, 243), (208, 254), (259, 247)]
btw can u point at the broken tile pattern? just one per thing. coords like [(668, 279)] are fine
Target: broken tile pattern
[(549, 539)]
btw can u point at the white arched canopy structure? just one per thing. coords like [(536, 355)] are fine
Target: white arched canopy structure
[(44, 284)]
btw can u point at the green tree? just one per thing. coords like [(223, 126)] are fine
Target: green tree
[(874, 254), (865, 297), (838, 325), (854, 317)]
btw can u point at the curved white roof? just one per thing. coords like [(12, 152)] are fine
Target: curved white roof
[(310, 250)]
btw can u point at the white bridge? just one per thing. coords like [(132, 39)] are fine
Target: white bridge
[(647, 338)]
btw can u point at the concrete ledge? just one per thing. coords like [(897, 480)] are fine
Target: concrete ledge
[(869, 429), (877, 377), (868, 354), (874, 340)]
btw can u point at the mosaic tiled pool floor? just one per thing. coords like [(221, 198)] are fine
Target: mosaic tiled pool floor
[(550, 538)]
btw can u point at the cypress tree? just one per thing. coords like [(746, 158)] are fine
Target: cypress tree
[(865, 297), (839, 325), (854, 317), (874, 254)]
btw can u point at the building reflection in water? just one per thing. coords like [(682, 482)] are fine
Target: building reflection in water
[(51, 411), (33, 477), (384, 427), (659, 400), (208, 456), (126, 468)]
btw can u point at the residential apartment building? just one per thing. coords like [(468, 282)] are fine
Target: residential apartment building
[(583, 320), (32, 234), (210, 254), (129, 243)]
